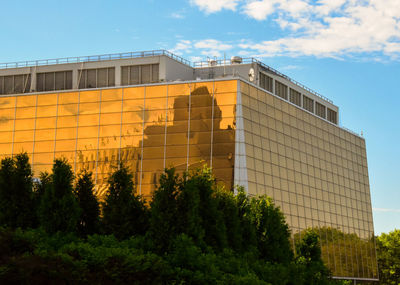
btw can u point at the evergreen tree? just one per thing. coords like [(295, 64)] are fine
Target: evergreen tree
[(89, 219), (59, 210), (16, 192), (164, 211), (124, 213), (271, 230)]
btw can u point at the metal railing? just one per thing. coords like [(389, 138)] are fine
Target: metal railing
[(222, 62), (139, 54), (93, 58)]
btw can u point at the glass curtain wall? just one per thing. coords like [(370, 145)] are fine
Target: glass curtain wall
[(147, 128)]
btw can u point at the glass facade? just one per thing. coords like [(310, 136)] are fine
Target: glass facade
[(147, 128), (315, 171)]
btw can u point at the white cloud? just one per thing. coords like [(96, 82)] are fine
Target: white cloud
[(323, 28), (183, 46), (178, 15), (212, 6), (212, 47), (386, 210)]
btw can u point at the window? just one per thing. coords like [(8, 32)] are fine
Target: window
[(265, 82), (320, 110), (49, 81), (139, 74), (332, 116), (12, 84), (308, 104), (94, 78), (281, 90), (295, 97)]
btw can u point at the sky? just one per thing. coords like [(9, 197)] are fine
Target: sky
[(347, 50)]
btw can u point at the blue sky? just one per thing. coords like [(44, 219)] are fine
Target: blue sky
[(347, 50)]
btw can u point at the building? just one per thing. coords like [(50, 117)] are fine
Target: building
[(253, 125)]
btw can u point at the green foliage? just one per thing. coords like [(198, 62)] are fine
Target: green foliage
[(124, 213), (272, 231), (164, 211), (16, 195), (59, 210), (388, 254), (309, 257), (89, 220)]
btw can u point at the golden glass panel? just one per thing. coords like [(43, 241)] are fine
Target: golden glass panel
[(155, 117), (131, 142), (66, 133), (154, 139), (136, 105), (110, 131), (6, 124), (225, 86), (178, 89), (46, 123), (23, 147), (132, 129), (88, 132), (66, 122), (67, 110), (152, 165), (111, 119), (7, 102), (133, 93), (45, 135), (200, 150), (132, 118), (109, 142), (6, 148), (43, 158), (27, 112), (68, 97), (179, 163), (26, 101), (23, 136), (175, 151), (47, 99), (87, 144), (89, 96), (6, 137), (24, 124), (156, 91), (89, 108), (111, 95), (111, 107), (65, 145), (178, 107), (87, 120), (225, 99), (46, 111), (176, 139), (44, 146)]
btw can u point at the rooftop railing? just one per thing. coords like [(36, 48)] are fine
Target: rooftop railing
[(222, 62), (140, 54), (93, 58)]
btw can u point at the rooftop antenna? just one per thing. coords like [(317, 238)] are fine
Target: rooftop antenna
[(224, 62)]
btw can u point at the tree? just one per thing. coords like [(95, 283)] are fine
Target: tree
[(272, 230), (164, 211), (89, 219), (16, 195), (308, 251), (388, 254), (124, 213), (59, 210)]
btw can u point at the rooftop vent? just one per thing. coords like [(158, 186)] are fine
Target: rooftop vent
[(236, 60), (212, 62)]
